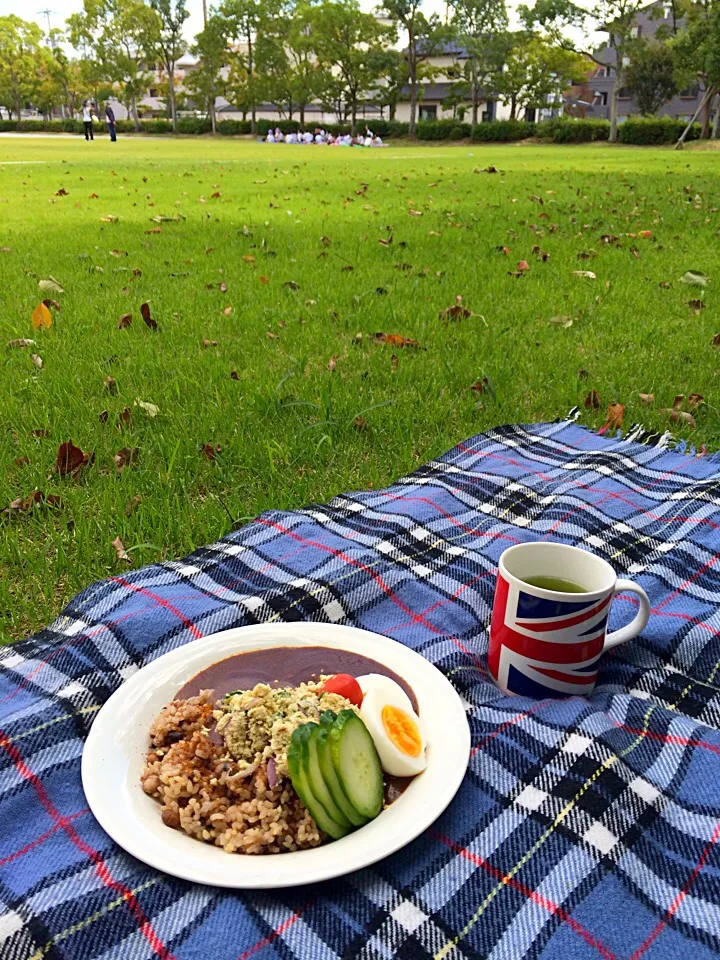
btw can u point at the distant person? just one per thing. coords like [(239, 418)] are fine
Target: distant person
[(87, 115), (110, 120)]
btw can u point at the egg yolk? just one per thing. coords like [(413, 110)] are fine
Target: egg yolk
[(402, 731)]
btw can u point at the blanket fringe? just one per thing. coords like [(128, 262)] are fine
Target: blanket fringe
[(663, 441)]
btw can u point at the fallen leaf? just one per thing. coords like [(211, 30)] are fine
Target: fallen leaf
[(249, 258), (325, 241), (263, 280), (647, 398), (6, 249), (588, 274), (561, 321), (150, 409), (227, 311), (665, 285), (615, 416), (360, 423), (694, 400), (646, 234), (678, 401), (456, 311), (332, 363), (21, 461), (154, 230), (680, 416), (118, 253), (25, 504), (93, 196), (234, 375), (145, 313), (415, 213), (696, 305), (130, 506), (22, 342), (110, 385), (62, 192), (124, 418), (125, 321), (209, 343), (110, 218), (395, 340), (120, 550), (41, 317), (209, 451), (216, 195), (635, 252), (103, 416), (41, 433), (71, 459), (583, 374), (124, 457), (695, 278), (481, 386), (36, 360), (51, 303), (523, 266), (593, 400), (394, 362), (716, 340), (209, 250), (291, 285)]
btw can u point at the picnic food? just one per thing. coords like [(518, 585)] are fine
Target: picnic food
[(284, 765)]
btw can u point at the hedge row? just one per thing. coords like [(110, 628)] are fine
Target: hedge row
[(638, 131)]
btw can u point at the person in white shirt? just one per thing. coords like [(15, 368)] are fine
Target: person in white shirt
[(307, 137), (88, 115), (270, 138)]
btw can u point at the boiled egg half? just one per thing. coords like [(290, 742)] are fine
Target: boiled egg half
[(388, 714)]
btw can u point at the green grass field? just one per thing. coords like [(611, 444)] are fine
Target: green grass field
[(299, 396)]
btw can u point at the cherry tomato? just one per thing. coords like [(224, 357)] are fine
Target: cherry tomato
[(345, 686)]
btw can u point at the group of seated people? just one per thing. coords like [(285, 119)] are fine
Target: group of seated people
[(322, 136)]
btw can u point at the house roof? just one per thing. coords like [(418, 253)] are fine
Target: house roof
[(450, 49), (434, 91)]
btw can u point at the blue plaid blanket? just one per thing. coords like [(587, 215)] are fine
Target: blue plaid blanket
[(584, 827)]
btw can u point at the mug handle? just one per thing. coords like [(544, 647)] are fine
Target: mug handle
[(637, 625)]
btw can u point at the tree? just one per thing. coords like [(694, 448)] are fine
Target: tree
[(344, 39), (425, 37), (615, 17), (696, 49), (536, 73), (651, 76), (391, 68), (243, 19), (307, 76), (20, 62), (205, 82), (168, 43), (120, 35), (481, 27)]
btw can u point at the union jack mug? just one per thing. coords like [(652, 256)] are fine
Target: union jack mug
[(548, 642)]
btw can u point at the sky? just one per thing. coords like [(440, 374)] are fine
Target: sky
[(61, 9)]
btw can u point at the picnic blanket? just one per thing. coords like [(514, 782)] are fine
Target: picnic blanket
[(583, 828)]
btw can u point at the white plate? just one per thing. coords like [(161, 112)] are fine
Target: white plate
[(115, 749)]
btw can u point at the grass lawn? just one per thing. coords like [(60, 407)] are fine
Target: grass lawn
[(277, 259)]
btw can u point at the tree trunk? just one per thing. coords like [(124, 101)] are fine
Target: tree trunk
[(253, 120), (513, 108), (302, 115), (171, 90), (353, 117), (475, 103), (134, 111), (716, 122), (614, 96), (392, 107), (686, 131), (412, 77), (705, 131)]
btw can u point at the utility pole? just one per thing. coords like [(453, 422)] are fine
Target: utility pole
[(46, 13)]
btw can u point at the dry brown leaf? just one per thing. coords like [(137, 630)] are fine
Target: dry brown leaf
[(325, 241), (583, 374), (120, 550), (110, 218), (665, 285), (25, 504), (647, 398), (22, 342), (394, 363), (41, 317), (50, 286), (360, 423), (51, 303), (71, 459), (263, 280), (124, 457), (678, 401), (37, 360), (125, 321), (147, 317), (646, 234), (41, 433), (523, 266), (130, 506), (216, 195), (696, 305), (481, 386), (615, 416), (154, 230), (21, 461), (223, 287), (415, 213), (150, 409), (680, 416), (395, 340), (248, 258), (716, 340), (118, 253), (332, 362), (104, 416), (234, 375), (209, 343), (694, 400), (110, 384), (592, 400), (209, 250), (456, 311), (587, 274), (209, 451), (123, 418)]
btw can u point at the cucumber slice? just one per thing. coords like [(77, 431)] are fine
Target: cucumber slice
[(297, 763), (317, 781), (327, 768), (357, 763)]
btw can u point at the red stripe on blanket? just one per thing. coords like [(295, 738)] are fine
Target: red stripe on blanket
[(188, 624), (277, 932), (93, 855)]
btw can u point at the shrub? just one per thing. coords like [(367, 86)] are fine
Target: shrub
[(642, 131), (441, 130), (503, 131), (568, 130), (233, 128)]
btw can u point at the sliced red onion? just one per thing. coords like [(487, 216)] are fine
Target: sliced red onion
[(252, 703), (272, 773)]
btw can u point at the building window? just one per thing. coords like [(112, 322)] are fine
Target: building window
[(689, 93), (428, 113), (623, 94), (636, 32), (666, 11), (601, 72), (153, 91), (601, 99)]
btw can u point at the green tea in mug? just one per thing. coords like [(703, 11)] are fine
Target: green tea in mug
[(556, 583)]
